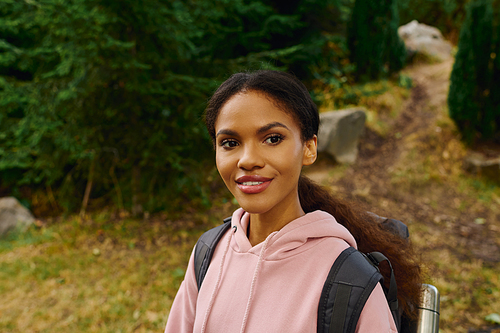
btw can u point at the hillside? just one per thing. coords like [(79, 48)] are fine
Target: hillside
[(413, 172)]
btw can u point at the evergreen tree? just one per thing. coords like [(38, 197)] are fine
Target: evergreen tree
[(373, 40), (468, 97), (396, 50), (495, 86), (110, 93)]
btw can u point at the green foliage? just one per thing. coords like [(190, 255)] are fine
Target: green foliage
[(471, 102), (108, 95), (373, 40), (396, 50), (103, 76)]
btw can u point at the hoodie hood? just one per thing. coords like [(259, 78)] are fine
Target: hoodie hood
[(293, 238)]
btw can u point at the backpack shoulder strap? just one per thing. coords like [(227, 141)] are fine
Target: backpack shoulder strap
[(392, 293), (205, 247), (350, 282)]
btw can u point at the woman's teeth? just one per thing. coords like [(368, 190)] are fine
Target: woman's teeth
[(251, 183)]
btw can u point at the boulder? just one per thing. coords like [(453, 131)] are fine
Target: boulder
[(339, 133), (481, 165), (13, 215), (424, 39)]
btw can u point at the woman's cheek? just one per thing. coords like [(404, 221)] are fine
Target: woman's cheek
[(222, 167)]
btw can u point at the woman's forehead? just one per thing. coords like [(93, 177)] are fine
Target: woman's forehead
[(253, 108)]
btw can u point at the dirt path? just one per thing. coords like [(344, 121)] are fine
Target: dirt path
[(379, 155), (371, 180), (454, 222), (430, 83)]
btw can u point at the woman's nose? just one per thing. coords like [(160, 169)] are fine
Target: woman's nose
[(251, 158)]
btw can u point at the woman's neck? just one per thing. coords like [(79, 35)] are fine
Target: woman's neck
[(262, 225)]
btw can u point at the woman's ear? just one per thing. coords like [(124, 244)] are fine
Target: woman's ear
[(310, 151)]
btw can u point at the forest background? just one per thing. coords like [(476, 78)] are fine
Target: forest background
[(101, 101), (101, 108)]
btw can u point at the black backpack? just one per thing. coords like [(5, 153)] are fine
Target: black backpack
[(350, 281)]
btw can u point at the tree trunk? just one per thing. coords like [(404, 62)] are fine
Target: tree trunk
[(88, 188), (136, 191)]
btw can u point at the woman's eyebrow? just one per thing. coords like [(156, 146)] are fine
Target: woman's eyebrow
[(259, 131), (226, 132), (271, 125)]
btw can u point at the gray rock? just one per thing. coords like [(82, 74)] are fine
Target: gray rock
[(339, 133), (479, 164), (424, 39), (13, 215)]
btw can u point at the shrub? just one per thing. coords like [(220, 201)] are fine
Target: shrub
[(104, 97), (374, 45), (469, 100)]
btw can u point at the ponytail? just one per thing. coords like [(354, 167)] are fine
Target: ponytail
[(370, 236)]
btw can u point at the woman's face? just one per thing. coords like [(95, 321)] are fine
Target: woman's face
[(260, 153)]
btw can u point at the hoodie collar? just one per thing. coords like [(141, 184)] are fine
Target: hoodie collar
[(293, 237)]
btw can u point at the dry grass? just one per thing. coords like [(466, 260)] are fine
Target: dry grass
[(463, 227), (411, 168), (98, 275), (120, 275)]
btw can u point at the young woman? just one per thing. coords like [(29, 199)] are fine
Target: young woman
[(268, 270)]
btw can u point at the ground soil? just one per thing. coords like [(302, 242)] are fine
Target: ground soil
[(370, 181)]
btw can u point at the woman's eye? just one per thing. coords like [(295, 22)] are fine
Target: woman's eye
[(274, 139), (229, 143)]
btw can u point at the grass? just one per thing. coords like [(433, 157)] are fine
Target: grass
[(104, 274), (463, 212), (93, 275), (469, 287), (453, 217), (379, 100)]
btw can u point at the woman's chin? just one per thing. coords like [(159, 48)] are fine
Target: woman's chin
[(253, 209)]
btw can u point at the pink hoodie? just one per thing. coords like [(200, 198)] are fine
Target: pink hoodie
[(274, 286)]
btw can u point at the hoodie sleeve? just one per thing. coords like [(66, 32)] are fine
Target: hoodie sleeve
[(183, 310), (376, 316)]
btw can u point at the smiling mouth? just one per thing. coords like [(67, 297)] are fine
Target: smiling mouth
[(253, 186)]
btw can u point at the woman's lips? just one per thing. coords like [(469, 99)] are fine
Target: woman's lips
[(253, 184)]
